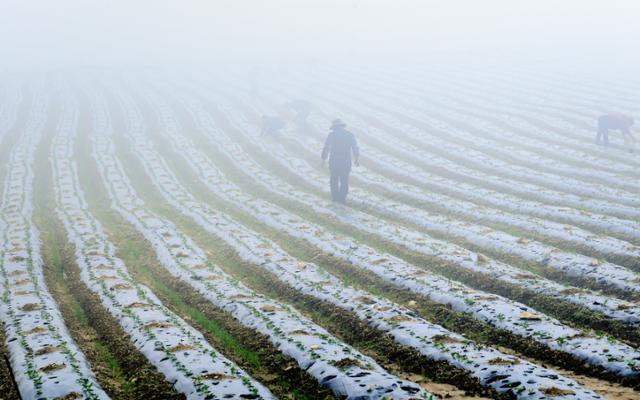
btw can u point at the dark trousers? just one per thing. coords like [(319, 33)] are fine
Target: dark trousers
[(339, 182), (603, 134)]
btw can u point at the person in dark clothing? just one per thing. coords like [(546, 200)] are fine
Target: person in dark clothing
[(302, 109), (271, 125), (339, 146), (614, 121)]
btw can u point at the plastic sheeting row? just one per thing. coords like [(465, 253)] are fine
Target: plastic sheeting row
[(45, 361)]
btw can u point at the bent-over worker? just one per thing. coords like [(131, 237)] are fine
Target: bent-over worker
[(614, 121)]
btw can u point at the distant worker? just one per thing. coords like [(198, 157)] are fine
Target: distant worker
[(271, 125), (302, 109), (339, 146), (615, 121)]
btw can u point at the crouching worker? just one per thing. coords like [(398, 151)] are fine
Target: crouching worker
[(339, 146), (614, 121)]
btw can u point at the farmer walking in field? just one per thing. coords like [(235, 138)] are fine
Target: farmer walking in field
[(615, 121), (339, 146)]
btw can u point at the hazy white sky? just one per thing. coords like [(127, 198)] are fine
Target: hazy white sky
[(119, 32)]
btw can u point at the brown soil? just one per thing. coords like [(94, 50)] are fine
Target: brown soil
[(52, 367), (8, 389)]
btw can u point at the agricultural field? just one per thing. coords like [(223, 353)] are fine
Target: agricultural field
[(156, 245)]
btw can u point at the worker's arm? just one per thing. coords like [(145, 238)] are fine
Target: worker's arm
[(327, 147), (356, 151)]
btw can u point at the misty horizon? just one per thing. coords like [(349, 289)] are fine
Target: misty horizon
[(319, 200)]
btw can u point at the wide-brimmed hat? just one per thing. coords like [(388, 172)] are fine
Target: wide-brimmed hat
[(337, 123)]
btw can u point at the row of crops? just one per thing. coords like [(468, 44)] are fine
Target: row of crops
[(485, 247), (44, 359)]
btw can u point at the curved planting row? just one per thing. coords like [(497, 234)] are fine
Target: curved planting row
[(46, 362), (573, 136), (618, 226), (483, 105), (551, 111), (498, 102), (454, 135), (561, 134), (502, 116), (577, 131), (545, 150), (399, 166), (334, 364), (505, 142), (585, 83), (568, 146), (482, 145), (478, 160), (558, 211), (604, 273), (490, 366), (602, 98), (493, 309), (175, 348)]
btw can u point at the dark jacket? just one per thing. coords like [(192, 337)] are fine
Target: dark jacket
[(338, 147)]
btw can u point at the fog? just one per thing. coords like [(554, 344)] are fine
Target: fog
[(305, 199), (43, 34)]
